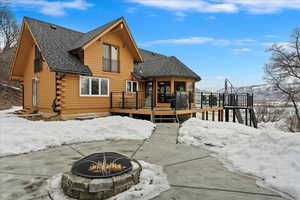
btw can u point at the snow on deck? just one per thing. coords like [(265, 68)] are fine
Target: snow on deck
[(19, 135), (268, 153)]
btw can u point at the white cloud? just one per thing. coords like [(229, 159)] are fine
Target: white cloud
[(220, 78), (211, 17), (271, 36), (131, 10), (180, 14), (200, 40), (191, 5), (189, 41), (241, 50), (265, 6), (228, 6), (244, 41), (270, 44), (52, 8)]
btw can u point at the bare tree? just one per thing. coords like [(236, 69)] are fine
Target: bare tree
[(283, 71), (9, 31)]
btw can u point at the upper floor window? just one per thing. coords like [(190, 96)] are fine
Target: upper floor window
[(92, 86), (38, 60), (110, 58), (132, 86)]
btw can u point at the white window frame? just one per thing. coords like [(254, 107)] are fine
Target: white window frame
[(90, 87), (131, 83)]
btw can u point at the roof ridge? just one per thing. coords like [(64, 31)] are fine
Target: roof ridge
[(69, 29), (115, 20), (159, 54)]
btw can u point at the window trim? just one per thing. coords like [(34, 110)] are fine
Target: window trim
[(90, 87), (131, 82), (110, 57)]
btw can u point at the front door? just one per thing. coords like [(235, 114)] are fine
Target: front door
[(149, 92), (163, 91), (34, 92)]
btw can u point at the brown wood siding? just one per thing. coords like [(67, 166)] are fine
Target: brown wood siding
[(46, 79), (72, 102)]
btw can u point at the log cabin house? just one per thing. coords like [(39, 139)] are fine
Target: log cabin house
[(68, 73)]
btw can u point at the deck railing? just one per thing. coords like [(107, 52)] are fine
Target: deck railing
[(179, 100)]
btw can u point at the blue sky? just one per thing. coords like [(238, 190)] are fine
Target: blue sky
[(217, 39)]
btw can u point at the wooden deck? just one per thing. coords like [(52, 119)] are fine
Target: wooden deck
[(159, 111)]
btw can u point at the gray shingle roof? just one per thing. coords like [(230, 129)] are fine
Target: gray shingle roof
[(92, 34), (157, 65), (54, 44)]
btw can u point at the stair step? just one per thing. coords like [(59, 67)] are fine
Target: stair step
[(165, 118)]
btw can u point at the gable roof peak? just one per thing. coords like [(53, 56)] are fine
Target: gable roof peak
[(87, 37)]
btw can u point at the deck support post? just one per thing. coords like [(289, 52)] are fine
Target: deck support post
[(213, 115), (246, 117), (190, 100), (152, 118), (123, 100), (226, 115), (222, 115), (250, 118), (211, 100), (206, 115), (233, 115), (202, 101), (203, 115), (111, 100), (136, 100), (219, 115), (152, 100)]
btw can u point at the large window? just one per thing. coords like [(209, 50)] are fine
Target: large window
[(190, 86), (110, 58), (132, 86), (91, 86), (38, 60)]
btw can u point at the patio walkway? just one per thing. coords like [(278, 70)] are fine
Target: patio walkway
[(192, 172)]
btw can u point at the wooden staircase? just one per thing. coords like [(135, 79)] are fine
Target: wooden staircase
[(165, 118), (26, 111), (159, 117)]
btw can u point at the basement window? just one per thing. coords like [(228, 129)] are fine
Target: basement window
[(132, 86), (93, 86), (38, 60)]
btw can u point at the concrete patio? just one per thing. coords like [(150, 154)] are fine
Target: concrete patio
[(192, 172)]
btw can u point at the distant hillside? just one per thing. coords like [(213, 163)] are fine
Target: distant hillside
[(261, 92)]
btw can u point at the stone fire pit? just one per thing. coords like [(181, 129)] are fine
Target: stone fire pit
[(84, 188)]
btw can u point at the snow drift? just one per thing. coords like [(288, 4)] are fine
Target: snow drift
[(269, 154), (19, 135)]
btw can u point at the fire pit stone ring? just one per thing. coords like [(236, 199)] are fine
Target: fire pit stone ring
[(79, 187)]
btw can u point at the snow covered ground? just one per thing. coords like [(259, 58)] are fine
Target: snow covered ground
[(19, 135), (153, 181), (267, 153)]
